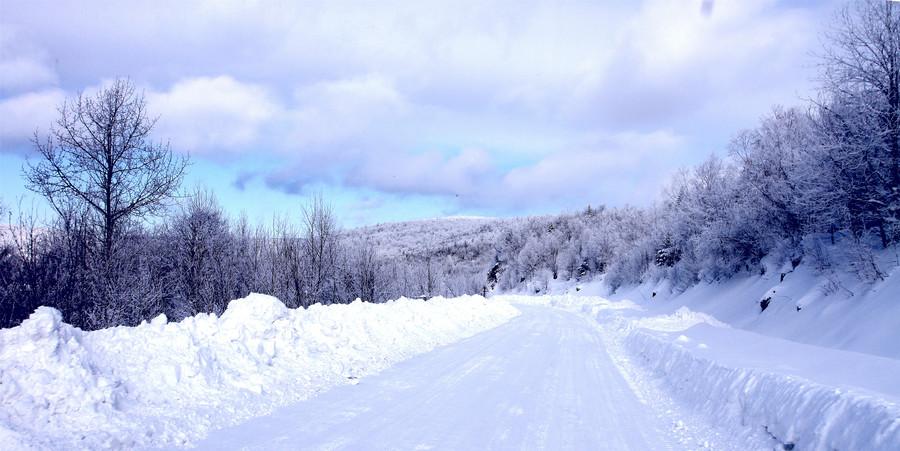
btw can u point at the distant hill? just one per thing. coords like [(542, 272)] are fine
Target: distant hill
[(466, 237)]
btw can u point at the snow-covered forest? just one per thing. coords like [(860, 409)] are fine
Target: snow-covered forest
[(806, 178)]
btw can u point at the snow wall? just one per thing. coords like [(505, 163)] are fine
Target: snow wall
[(798, 412)]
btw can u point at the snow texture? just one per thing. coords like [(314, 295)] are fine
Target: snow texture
[(797, 394), (164, 383), (540, 381), (813, 398), (830, 309)]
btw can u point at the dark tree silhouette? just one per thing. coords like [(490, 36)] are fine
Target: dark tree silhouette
[(99, 155)]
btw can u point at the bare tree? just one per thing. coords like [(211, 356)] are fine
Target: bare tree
[(320, 247), (100, 153), (286, 264)]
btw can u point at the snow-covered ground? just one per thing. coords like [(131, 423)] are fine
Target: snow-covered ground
[(752, 385), (830, 308), (165, 383), (541, 381), (701, 369)]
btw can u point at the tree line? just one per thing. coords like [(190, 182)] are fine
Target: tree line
[(125, 247), (197, 259)]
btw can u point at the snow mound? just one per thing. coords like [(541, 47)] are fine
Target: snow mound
[(163, 383), (681, 319), (48, 377), (765, 392)]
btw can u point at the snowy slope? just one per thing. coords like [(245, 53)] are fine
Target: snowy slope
[(164, 383), (833, 309), (430, 235), (808, 396)]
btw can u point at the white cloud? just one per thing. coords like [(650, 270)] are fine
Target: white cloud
[(208, 115), (24, 114), (460, 174), (327, 113), (626, 167), (502, 103), (21, 73), (23, 67), (213, 115), (673, 63)]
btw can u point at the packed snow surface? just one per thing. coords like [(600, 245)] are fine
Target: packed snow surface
[(541, 381), (164, 383)]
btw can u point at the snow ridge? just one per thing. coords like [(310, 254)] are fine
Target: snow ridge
[(793, 410), (164, 383)]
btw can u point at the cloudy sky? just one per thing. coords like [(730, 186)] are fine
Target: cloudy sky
[(417, 109)]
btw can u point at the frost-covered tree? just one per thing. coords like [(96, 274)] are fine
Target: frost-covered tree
[(320, 250), (774, 173), (287, 271), (365, 279), (204, 257), (860, 111)]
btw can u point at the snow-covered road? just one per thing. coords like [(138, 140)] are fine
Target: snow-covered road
[(540, 381)]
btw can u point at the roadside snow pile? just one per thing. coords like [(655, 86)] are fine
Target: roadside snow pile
[(803, 396), (800, 396), (164, 383)]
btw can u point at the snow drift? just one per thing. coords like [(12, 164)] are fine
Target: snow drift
[(163, 383), (800, 396)]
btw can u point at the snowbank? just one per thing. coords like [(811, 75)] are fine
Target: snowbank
[(813, 398), (808, 396), (165, 383)]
